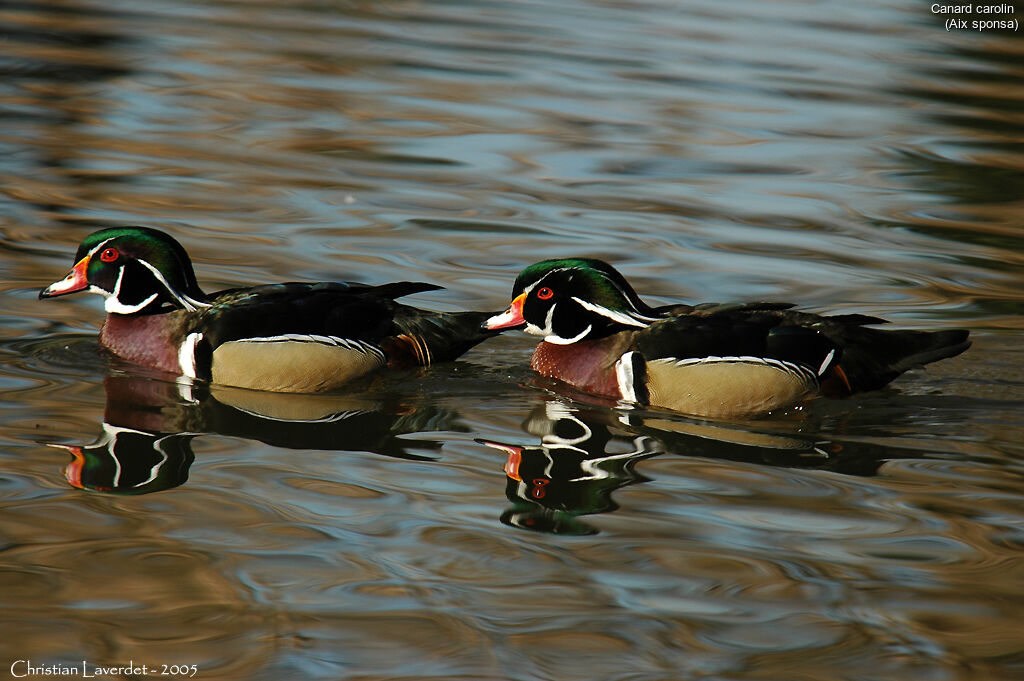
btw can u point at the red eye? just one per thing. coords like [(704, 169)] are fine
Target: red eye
[(544, 293), (109, 255)]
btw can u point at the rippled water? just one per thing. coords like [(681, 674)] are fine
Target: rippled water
[(470, 521)]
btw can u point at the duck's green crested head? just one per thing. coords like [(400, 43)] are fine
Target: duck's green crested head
[(571, 299), (136, 269)]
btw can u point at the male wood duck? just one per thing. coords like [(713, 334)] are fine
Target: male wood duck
[(712, 360), (292, 337)]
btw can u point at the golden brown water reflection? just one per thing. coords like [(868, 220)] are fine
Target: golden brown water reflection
[(471, 521)]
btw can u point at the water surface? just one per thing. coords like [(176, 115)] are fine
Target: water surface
[(471, 521)]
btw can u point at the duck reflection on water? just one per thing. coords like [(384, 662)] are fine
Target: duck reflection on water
[(149, 424), (572, 472), (588, 452)]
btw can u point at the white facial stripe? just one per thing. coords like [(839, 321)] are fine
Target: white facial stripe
[(534, 285), (549, 333), (620, 317), (538, 331), (117, 284), (98, 247), (558, 340), (114, 306), (549, 320), (190, 304)]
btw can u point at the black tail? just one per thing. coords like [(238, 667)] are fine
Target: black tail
[(397, 289), (871, 358), (431, 337)]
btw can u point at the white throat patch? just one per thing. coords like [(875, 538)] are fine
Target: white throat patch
[(549, 333), (114, 306)]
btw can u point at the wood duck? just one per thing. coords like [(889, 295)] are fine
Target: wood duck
[(711, 360), (291, 337)]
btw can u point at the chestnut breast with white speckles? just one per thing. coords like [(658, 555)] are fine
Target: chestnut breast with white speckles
[(150, 340), (588, 365)]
